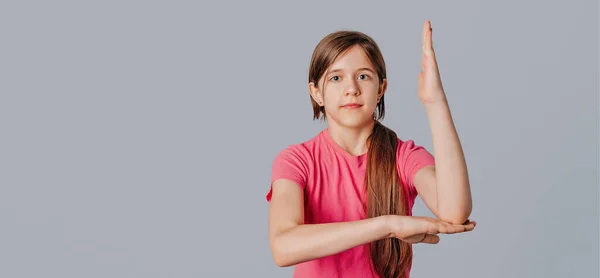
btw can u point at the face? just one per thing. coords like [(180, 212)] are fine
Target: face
[(349, 90)]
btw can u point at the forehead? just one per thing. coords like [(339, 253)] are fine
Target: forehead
[(352, 59)]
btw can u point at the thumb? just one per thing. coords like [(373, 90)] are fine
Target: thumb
[(430, 239)]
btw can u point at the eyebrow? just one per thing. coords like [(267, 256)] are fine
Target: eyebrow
[(361, 69)]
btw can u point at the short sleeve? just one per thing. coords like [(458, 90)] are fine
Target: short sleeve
[(290, 163), (411, 159)]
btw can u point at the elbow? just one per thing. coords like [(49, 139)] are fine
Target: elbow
[(280, 258), (281, 261), (456, 217)]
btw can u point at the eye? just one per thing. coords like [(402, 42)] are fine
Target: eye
[(363, 76), (334, 78)]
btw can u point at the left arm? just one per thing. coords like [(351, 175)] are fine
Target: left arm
[(444, 187)]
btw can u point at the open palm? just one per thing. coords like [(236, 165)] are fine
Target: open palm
[(420, 229), (430, 88)]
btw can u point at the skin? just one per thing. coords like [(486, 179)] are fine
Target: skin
[(444, 187), (351, 79)]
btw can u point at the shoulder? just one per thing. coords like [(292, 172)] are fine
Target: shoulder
[(298, 156), (407, 148), (294, 162), (412, 157), (405, 143)]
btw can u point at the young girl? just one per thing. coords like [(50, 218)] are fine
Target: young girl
[(341, 202)]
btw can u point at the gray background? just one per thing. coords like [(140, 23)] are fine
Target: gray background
[(137, 137)]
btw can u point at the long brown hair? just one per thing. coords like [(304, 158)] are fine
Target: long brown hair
[(391, 257)]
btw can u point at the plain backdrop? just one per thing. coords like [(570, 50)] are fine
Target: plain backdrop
[(137, 136)]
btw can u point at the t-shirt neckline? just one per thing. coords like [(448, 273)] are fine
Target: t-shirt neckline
[(355, 158)]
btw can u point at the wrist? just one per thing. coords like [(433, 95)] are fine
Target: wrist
[(437, 103), (391, 224), (437, 109), (383, 226)]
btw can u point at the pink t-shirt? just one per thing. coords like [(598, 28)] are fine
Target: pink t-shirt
[(333, 184)]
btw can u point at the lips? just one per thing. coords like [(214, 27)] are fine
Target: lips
[(352, 106)]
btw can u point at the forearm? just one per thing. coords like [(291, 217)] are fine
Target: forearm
[(453, 189), (312, 241)]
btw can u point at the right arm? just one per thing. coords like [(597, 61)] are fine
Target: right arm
[(294, 242)]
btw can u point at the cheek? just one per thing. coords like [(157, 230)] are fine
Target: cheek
[(369, 87), (331, 98), (332, 95), (369, 94)]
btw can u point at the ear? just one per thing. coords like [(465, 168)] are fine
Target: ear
[(382, 88), (315, 93)]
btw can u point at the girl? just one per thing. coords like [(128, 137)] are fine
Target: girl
[(341, 202)]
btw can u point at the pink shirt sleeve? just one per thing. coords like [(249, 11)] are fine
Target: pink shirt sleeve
[(411, 159), (289, 164)]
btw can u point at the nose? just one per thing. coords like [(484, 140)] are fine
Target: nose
[(352, 89)]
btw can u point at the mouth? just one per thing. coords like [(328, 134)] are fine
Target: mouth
[(352, 106)]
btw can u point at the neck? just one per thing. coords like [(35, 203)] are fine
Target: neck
[(353, 140)]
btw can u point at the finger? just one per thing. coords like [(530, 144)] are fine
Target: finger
[(427, 39), (450, 228), (430, 239), (414, 238), (447, 228), (423, 42), (468, 222), (443, 227), (459, 229), (462, 228), (430, 37), (470, 226), (433, 227), (424, 34)]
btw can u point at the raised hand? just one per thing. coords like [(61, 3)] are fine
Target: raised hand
[(419, 229), (430, 88)]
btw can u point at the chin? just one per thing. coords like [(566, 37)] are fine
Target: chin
[(354, 122)]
